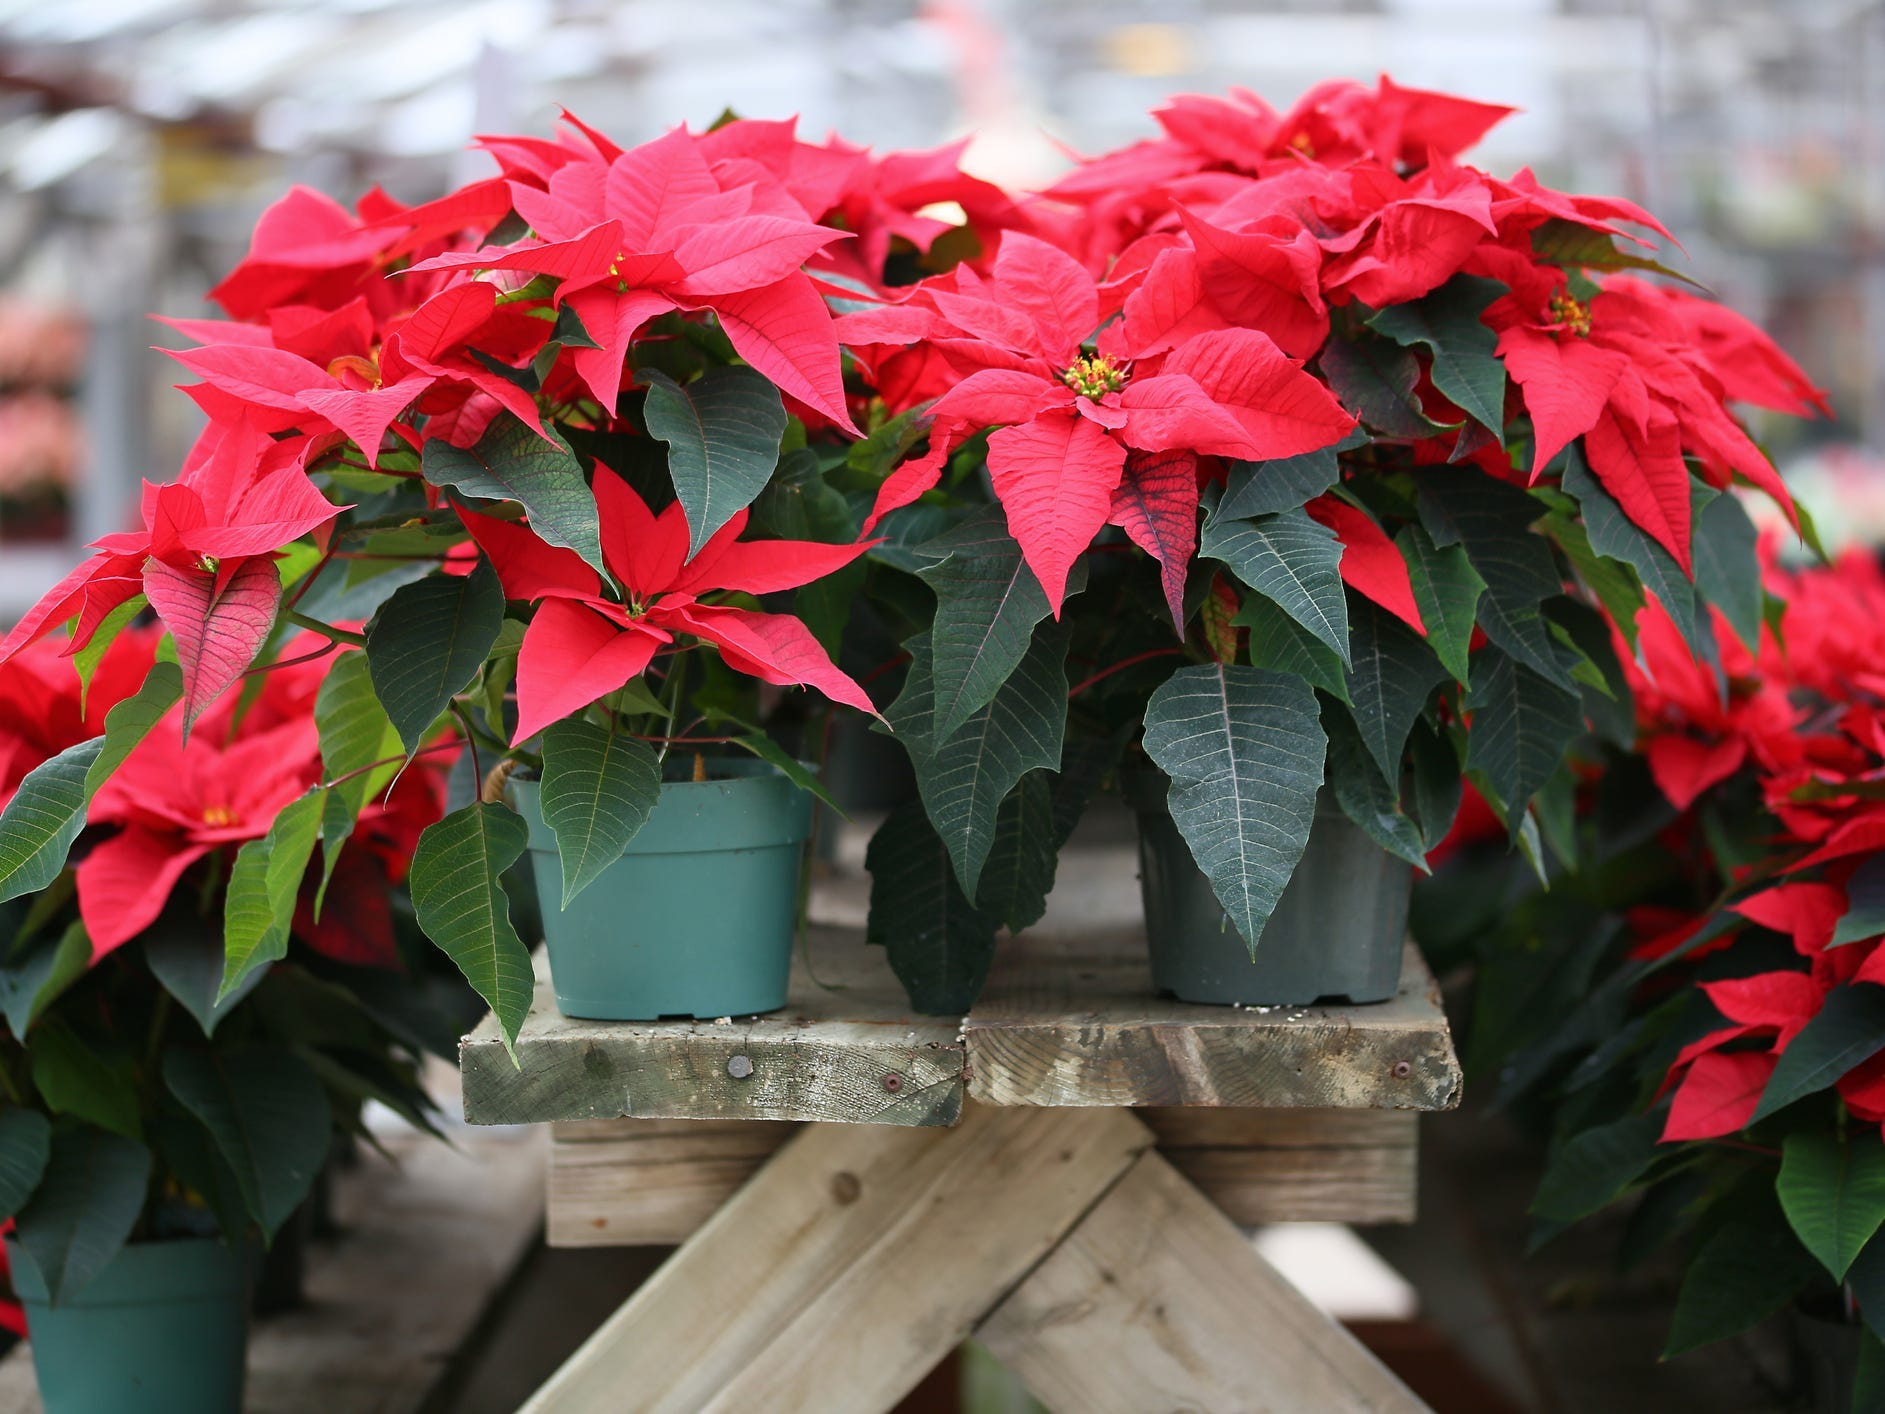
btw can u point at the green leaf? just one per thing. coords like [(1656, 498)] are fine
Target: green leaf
[(1021, 864), (800, 504), (25, 1148), (1727, 570), (188, 962), (788, 765), (723, 432), (1282, 484), (1466, 367), (1394, 673), (83, 1211), (1437, 783), (32, 983), (1591, 1169), (48, 810), (1833, 1192), (987, 604), (77, 1078), (87, 659), (1612, 533), (1747, 1270), (515, 462), (599, 788), (1446, 591), (1278, 641), (964, 778), (1244, 748), (1375, 380), (1865, 904), (260, 906), (427, 643), (1492, 520), (354, 732), (1364, 796), (1578, 247), (461, 906), (269, 1116), (1868, 1380), (1521, 728), (1293, 561), (937, 942), (1849, 1029), (1611, 707)]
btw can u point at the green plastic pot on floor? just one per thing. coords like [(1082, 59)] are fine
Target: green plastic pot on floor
[(163, 1329), (697, 919), (1337, 933)]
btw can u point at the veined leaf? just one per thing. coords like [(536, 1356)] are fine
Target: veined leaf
[(1291, 560), (260, 905), (83, 1211), (1446, 590), (1849, 1029), (1364, 796), (355, 732), (1020, 868), (1466, 367), (515, 462), (1747, 1270), (723, 432), (188, 961), (1612, 533), (84, 1080), (1865, 904), (1278, 641), (48, 811), (1394, 673), (1595, 1166), (25, 1148), (1521, 728), (217, 631), (1727, 570), (1244, 748), (462, 906), (1577, 246), (1375, 380), (987, 604), (938, 943), (1833, 1193), (599, 788), (1283, 484), (427, 643), (30, 984), (269, 1116), (87, 659)]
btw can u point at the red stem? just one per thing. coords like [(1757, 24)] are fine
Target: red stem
[(320, 652), (1122, 664)]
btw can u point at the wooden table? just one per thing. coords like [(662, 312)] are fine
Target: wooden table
[(1058, 1174)]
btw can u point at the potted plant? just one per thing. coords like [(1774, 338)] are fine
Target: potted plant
[(1295, 460), (1711, 1062), (169, 1093)]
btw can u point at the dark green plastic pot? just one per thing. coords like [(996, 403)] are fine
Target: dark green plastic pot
[(163, 1329), (1336, 935), (697, 919)]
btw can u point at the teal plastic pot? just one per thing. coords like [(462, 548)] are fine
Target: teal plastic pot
[(163, 1329), (1336, 935), (697, 919)]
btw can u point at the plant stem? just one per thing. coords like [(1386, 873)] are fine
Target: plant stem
[(327, 631), (1123, 664)]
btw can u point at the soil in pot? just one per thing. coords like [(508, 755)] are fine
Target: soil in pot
[(698, 918), (1337, 933), (163, 1329)]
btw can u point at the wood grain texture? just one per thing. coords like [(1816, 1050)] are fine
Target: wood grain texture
[(649, 1182), (424, 1249), (846, 1048), (854, 1261), (1156, 1302), (1072, 1021)]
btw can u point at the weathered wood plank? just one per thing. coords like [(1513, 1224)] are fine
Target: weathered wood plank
[(1155, 1301), (854, 1261), (424, 1249), (649, 1182), (634, 1182), (846, 1048), (1070, 1020)]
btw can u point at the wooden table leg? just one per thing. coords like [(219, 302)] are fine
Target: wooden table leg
[(860, 1255), (1157, 1301)]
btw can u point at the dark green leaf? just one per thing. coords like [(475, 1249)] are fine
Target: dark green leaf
[(1437, 784), (789, 766), (1244, 748), (260, 906), (1278, 641), (269, 1116), (1466, 367), (1727, 571), (1593, 1168), (723, 432), (1394, 673), (462, 906), (75, 1077), (84, 1208), (25, 1148), (987, 604), (964, 778), (48, 810), (427, 643), (1578, 247), (355, 732), (1284, 484), (188, 961), (1522, 726), (1865, 904), (1293, 561), (1745, 1271), (1610, 709), (31, 984), (1364, 796), (1375, 380), (938, 944), (515, 462), (1019, 871), (1612, 533), (599, 788), (1833, 1193), (1613, 582), (800, 504), (1446, 590), (1849, 1029)]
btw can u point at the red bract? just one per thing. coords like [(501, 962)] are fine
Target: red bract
[(584, 641)]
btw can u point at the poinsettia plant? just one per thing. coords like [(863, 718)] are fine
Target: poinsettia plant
[(1299, 453), (172, 1063)]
